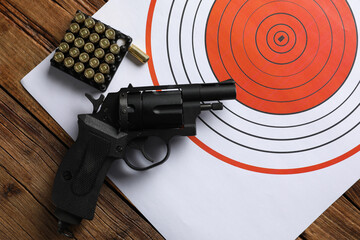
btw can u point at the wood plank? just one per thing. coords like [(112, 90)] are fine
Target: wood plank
[(13, 35), (339, 221), (39, 30), (22, 215), (14, 42), (49, 19), (353, 195), (31, 154), (38, 34)]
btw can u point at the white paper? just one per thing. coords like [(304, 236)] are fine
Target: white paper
[(195, 195)]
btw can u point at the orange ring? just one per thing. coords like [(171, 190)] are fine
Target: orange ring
[(223, 75), (273, 81)]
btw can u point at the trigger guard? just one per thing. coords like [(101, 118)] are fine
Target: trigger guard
[(152, 160), (148, 158)]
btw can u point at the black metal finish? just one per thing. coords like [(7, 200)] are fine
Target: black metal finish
[(126, 119)]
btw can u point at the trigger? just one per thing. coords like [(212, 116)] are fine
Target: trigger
[(95, 102)]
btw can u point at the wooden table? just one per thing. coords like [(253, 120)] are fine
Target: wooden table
[(32, 144)]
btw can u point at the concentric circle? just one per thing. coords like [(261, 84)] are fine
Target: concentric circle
[(280, 38), (283, 54), (275, 46), (265, 47)]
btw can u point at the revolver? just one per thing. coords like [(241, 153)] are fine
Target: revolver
[(126, 120)]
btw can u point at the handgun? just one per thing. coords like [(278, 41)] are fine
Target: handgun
[(126, 120)]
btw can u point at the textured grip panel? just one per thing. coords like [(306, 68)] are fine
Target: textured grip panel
[(82, 172), (95, 155)]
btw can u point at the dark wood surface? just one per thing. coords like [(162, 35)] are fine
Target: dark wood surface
[(32, 144)]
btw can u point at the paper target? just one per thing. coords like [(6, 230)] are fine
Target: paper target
[(297, 107)]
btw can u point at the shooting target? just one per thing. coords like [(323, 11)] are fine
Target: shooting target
[(297, 107)]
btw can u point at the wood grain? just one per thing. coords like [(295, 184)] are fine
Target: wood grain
[(32, 143), (29, 159), (340, 221), (31, 34)]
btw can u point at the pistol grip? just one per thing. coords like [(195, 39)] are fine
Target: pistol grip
[(80, 176)]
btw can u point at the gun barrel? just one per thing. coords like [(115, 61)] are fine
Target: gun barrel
[(209, 91), (148, 108)]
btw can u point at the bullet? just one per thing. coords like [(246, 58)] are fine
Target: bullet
[(84, 32), (94, 37), (99, 78), (84, 57), (99, 53), (104, 43), (59, 57), (79, 17), (138, 53), (89, 47), (64, 47), (79, 67), (90, 53), (104, 68), (69, 62), (110, 58), (69, 37), (94, 62), (110, 34), (79, 42), (89, 73), (115, 49), (89, 22), (74, 27), (74, 52), (100, 27)]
